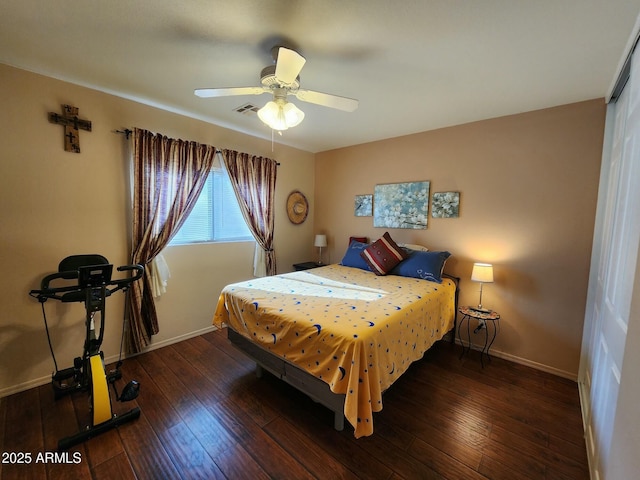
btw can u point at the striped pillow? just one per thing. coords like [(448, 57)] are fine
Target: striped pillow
[(383, 254)]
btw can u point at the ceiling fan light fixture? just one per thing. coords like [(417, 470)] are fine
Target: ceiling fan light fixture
[(292, 114), (280, 115)]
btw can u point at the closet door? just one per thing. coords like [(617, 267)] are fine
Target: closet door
[(618, 238)]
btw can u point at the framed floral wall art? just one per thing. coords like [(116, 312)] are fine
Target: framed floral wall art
[(445, 205), (363, 206), (401, 205)]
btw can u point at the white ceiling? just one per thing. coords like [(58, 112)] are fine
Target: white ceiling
[(415, 65)]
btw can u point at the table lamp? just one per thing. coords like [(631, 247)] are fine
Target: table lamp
[(321, 241), (483, 273)]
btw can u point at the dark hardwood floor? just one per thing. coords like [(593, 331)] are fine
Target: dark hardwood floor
[(206, 415)]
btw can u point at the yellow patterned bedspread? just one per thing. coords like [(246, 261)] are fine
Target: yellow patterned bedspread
[(356, 331)]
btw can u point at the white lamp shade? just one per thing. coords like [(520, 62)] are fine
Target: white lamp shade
[(321, 241), (482, 272), (292, 114), (273, 116), (280, 115)]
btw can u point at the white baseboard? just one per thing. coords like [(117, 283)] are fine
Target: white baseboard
[(36, 382), (525, 362), (585, 402), (165, 343)]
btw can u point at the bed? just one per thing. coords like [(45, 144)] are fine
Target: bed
[(339, 333)]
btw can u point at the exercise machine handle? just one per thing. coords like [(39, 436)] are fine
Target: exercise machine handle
[(125, 282), (46, 291)]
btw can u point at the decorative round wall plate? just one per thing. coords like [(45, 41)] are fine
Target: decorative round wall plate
[(297, 207)]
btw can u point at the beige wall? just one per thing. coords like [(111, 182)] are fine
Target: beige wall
[(528, 186), (56, 203), (528, 191)]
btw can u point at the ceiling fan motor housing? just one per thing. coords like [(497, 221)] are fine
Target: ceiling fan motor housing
[(269, 80)]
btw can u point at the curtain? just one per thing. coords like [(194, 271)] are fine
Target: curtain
[(254, 182), (168, 178)]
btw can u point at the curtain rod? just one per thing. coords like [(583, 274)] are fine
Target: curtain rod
[(126, 132)]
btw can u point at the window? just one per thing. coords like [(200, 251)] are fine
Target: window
[(216, 216)]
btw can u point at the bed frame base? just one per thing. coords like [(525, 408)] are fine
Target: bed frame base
[(311, 386)]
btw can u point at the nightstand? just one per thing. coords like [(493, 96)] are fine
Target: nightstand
[(485, 318), (306, 265)]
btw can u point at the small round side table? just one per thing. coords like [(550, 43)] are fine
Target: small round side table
[(486, 317)]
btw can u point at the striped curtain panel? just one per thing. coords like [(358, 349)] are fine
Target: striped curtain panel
[(254, 182), (168, 178)]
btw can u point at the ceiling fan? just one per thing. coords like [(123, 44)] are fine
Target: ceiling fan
[(282, 80)]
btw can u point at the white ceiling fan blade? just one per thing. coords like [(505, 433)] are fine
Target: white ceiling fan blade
[(228, 92), (288, 65), (327, 100)]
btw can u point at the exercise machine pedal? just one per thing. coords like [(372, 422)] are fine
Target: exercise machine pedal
[(61, 375)]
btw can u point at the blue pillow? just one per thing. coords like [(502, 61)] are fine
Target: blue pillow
[(352, 256), (425, 265)]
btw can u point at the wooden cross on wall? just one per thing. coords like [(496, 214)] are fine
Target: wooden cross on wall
[(69, 119)]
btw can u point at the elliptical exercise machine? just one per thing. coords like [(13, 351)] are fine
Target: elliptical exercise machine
[(92, 286)]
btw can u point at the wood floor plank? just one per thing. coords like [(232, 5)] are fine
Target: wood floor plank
[(188, 455), (117, 467), (24, 436), (173, 390), (184, 380), (3, 416), (151, 399), (442, 463), (146, 453), (532, 434), (576, 451), (202, 353), (311, 418), (495, 470), (315, 421), (206, 429), (560, 463), (212, 434), (404, 463), (219, 339), (56, 416), (519, 407), (270, 455), (200, 385), (254, 406), (454, 440), (103, 448), (543, 385), (469, 424), (306, 452), (235, 462), (265, 450), (515, 459), (392, 432)]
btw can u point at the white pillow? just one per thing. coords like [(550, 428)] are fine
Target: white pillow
[(418, 248)]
